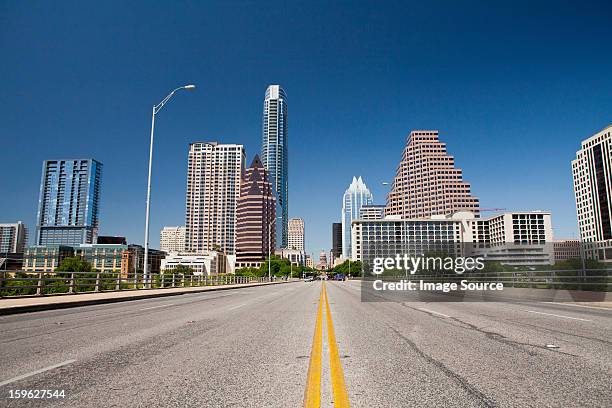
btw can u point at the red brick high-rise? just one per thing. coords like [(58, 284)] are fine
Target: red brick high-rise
[(255, 212), (427, 182)]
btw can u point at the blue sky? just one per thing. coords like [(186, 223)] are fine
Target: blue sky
[(513, 89)]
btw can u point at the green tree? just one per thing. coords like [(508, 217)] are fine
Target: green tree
[(280, 266), (73, 264), (355, 268), (182, 270)]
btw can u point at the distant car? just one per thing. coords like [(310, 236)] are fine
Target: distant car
[(309, 279), (339, 277)]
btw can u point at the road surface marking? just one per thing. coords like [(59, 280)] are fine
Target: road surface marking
[(312, 394), (433, 311), (341, 399), (156, 307), (571, 304), (556, 315), (42, 370), (236, 307)]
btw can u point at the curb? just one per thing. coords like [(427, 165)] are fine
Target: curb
[(88, 302)]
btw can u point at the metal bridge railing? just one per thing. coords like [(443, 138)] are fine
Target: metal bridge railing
[(20, 283)]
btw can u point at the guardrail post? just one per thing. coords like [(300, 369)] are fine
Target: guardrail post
[(71, 284), (118, 282), (191, 280), (162, 280), (183, 280), (97, 288), (173, 280), (39, 286)]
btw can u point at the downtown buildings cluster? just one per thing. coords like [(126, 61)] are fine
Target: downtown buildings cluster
[(429, 203), (236, 216)]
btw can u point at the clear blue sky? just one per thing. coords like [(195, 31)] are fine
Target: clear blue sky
[(512, 88)]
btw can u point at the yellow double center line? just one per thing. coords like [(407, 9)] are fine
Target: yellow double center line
[(312, 395)]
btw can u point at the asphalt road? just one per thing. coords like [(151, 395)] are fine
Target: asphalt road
[(252, 348)]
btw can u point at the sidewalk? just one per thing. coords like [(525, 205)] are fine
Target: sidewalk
[(49, 302)]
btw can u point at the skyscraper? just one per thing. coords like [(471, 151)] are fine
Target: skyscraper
[(213, 188), (13, 238), (274, 154), (172, 239), (356, 196), (296, 234), (592, 171), (69, 202), (427, 181), (255, 212), (337, 239)]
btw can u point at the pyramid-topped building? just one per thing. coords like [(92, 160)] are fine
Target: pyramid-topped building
[(255, 212), (427, 182), (356, 196)]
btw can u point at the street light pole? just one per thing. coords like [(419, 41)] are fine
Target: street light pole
[(156, 108)]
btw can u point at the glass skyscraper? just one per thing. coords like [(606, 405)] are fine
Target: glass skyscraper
[(274, 155), (356, 196), (69, 202)]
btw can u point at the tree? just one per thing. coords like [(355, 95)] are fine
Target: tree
[(181, 270), (73, 264), (280, 266), (355, 268)]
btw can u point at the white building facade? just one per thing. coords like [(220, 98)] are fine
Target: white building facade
[(294, 256), (13, 238), (172, 239), (213, 189), (206, 264), (517, 238), (296, 234), (592, 173)]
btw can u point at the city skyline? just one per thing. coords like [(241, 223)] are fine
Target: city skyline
[(528, 120)]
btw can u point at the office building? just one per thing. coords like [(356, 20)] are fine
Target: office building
[(275, 155), (592, 172), (566, 249), (337, 239), (309, 262), (356, 196), (295, 256), (105, 258), (107, 239), (255, 215), (204, 264), (427, 182), (133, 260), (213, 189), (45, 258), (372, 212), (172, 239), (69, 202), (110, 256), (13, 238), (512, 238), (296, 234)]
